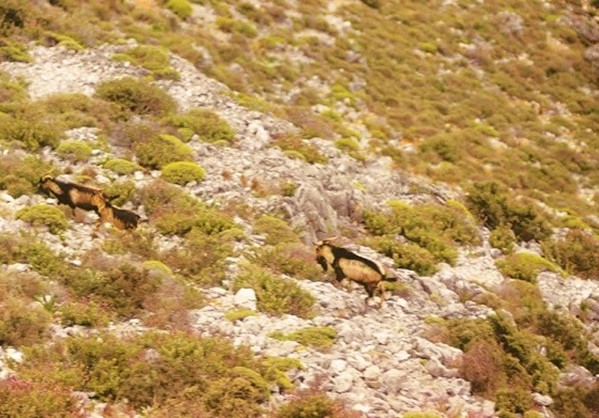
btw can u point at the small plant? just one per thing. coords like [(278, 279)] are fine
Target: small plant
[(206, 124), (239, 314), (320, 338), (88, 314), (276, 230), (351, 147), (161, 150), (152, 58), (137, 96), (31, 130), (275, 296), (300, 148), (21, 324), (121, 191), (291, 258), (25, 399), (313, 403), (46, 215), (74, 150), (525, 266), (577, 253), (121, 166), (181, 8), (14, 51), (503, 238), (183, 172)]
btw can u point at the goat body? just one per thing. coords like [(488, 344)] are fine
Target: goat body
[(71, 194), (347, 264), (120, 218)]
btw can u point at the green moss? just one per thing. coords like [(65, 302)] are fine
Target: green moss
[(121, 166), (525, 266), (74, 150), (276, 230), (152, 58), (137, 96), (205, 123), (239, 314), (275, 296), (318, 337), (183, 172), (161, 150), (46, 215)]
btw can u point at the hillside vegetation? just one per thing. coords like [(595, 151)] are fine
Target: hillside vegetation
[(456, 142)]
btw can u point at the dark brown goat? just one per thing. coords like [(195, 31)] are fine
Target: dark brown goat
[(346, 264), (120, 218), (71, 194)]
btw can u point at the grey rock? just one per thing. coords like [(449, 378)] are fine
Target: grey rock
[(246, 299)]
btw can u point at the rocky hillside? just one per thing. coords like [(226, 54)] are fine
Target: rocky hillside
[(454, 145)]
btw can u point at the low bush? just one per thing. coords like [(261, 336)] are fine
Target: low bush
[(22, 324), (239, 314), (152, 58), (577, 253), (155, 371), (275, 296), (290, 258), (300, 148), (492, 205), (313, 403), (350, 146), (122, 191), (208, 125), (74, 150), (44, 215), (503, 238), (183, 172), (524, 266), (26, 399), (87, 313), (14, 51), (20, 176), (276, 230), (320, 338), (161, 150), (405, 255), (137, 96), (31, 130), (121, 166), (181, 8)]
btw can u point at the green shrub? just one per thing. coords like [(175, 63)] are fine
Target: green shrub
[(181, 8), (503, 238), (320, 338), (513, 400), (47, 215), (161, 150), (351, 147), (76, 109), (301, 148), (25, 399), (239, 314), (14, 51), (21, 323), (492, 205), (577, 253), (313, 403), (123, 289), (524, 266), (122, 167), (121, 191), (290, 258), (183, 172), (276, 230), (137, 96), (13, 15), (275, 296), (156, 370), (88, 314), (414, 414), (205, 123), (21, 176), (405, 255), (31, 130), (152, 58), (74, 150)]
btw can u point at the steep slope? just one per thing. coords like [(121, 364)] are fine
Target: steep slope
[(495, 309)]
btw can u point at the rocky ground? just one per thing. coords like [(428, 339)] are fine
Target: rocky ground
[(382, 363)]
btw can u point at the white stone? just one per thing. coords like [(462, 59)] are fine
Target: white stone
[(337, 366), (343, 382)]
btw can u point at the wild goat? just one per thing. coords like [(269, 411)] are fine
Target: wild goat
[(120, 218), (71, 194), (352, 266)]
